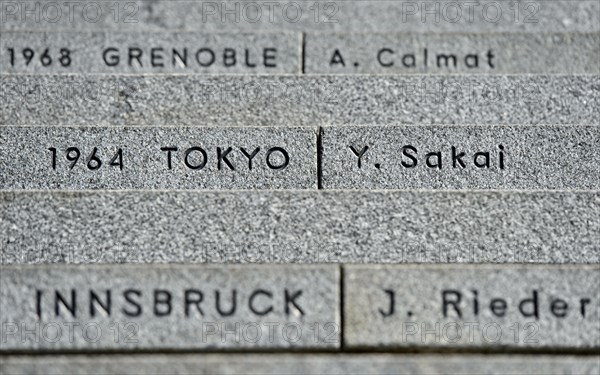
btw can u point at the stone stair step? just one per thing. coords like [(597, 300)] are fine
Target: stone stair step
[(461, 157), (320, 15), (410, 53), (194, 100), (158, 158), (150, 52), (300, 364), (170, 307), (300, 226), (472, 306)]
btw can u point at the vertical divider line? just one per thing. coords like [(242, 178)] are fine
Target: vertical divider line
[(342, 308), (302, 52), (319, 158)]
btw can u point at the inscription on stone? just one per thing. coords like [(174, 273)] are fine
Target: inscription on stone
[(512, 53), (461, 157), (151, 52), (157, 158), (472, 306), (169, 307)]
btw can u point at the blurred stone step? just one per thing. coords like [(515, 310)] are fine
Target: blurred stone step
[(298, 101), (300, 364), (171, 307), (460, 157), (466, 306), (409, 53), (299, 227), (320, 15), (158, 158), (156, 52)]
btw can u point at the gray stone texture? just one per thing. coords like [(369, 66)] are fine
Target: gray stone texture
[(409, 53), (209, 307), (281, 158), (541, 306), (299, 227), (53, 100), (504, 157), (115, 52), (322, 15), (300, 364)]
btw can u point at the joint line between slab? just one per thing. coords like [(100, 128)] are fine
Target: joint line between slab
[(319, 158), (342, 313), (303, 54)]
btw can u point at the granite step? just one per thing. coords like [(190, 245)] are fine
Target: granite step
[(195, 100), (158, 158), (300, 364), (392, 157), (170, 307), (292, 53), (320, 15), (150, 52), (472, 306), (461, 157), (411, 53), (497, 308), (299, 226)]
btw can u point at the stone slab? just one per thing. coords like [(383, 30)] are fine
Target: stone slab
[(298, 364), (476, 53), (170, 307), (320, 15), (157, 158), (150, 52), (483, 306), (418, 226), (461, 157), (53, 100)]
